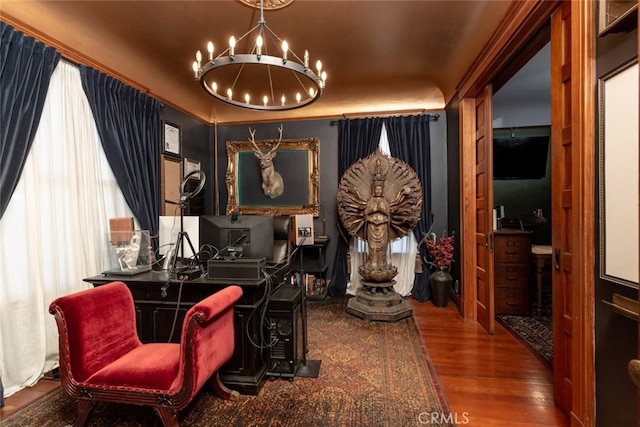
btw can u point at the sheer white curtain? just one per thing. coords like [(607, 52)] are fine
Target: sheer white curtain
[(402, 252), (53, 230)]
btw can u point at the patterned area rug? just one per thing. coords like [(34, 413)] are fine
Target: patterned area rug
[(372, 374), (536, 335)]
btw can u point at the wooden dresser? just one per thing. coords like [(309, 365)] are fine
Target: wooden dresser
[(512, 271)]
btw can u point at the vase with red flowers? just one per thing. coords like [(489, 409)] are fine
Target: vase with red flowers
[(439, 257)]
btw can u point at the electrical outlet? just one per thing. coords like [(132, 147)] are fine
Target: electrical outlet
[(304, 232)]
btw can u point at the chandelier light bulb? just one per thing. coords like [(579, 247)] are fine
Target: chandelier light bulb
[(195, 69), (232, 46), (259, 46), (319, 66), (199, 58), (283, 99), (285, 49), (229, 93), (247, 98), (298, 97), (306, 58), (210, 50), (214, 86), (311, 92), (265, 100)]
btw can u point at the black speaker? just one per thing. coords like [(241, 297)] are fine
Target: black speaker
[(285, 332)]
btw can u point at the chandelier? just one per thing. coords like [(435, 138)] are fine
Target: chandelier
[(269, 76)]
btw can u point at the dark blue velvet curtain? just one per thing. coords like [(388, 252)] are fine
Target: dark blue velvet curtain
[(409, 141), (357, 138), (129, 126), (26, 67)]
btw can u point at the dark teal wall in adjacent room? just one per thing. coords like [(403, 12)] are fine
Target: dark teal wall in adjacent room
[(520, 197)]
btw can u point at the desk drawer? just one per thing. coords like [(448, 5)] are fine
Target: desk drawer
[(513, 301), (512, 275), (512, 248)]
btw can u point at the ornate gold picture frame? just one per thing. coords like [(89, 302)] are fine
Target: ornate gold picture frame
[(296, 160)]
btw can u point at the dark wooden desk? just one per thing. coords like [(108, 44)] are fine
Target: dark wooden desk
[(161, 304), (541, 256)]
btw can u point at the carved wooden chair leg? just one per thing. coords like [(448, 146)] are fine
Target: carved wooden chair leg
[(168, 416), (84, 409), (222, 390)]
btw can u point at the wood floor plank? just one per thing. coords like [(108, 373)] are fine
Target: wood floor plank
[(492, 379)]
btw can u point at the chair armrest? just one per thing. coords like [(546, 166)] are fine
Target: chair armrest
[(210, 307), (207, 340)]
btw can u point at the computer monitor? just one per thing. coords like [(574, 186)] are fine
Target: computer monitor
[(234, 236)]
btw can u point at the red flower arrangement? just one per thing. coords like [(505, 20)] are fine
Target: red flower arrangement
[(440, 250)]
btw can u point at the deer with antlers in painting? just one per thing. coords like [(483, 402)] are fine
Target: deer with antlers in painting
[(272, 184)]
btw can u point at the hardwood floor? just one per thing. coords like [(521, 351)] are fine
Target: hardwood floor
[(488, 380), (492, 379), (26, 396)]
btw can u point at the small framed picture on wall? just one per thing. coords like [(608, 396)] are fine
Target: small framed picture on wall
[(171, 138), (190, 165)]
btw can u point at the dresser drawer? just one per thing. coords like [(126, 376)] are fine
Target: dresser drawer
[(512, 248), (513, 301), (512, 275)]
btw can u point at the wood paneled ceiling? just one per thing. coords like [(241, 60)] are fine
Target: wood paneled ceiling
[(380, 56)]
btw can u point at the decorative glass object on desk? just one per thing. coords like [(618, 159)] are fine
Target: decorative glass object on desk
[(127, 252)]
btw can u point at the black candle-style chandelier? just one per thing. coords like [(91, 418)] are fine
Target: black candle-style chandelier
[(258, 80)]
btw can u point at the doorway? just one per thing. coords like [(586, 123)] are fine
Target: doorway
[(572, 127), (522, 197)]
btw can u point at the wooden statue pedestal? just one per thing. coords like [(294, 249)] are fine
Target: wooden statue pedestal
[(378, 301)]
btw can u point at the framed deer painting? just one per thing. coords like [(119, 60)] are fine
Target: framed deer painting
[(273, 176)]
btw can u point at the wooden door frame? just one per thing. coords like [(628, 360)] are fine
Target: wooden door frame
[(520, 23), (583, 101)]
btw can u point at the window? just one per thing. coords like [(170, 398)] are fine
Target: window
[(402, 252)]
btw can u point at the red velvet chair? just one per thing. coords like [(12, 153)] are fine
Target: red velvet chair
[(102, 359)]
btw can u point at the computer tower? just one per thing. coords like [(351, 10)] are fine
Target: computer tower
[(285, 332)]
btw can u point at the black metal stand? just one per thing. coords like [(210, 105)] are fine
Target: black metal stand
[(179, 248), (306, 368), (184, 199)]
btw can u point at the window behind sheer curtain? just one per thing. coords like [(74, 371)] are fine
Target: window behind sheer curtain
[(401, 251), (53, 230)]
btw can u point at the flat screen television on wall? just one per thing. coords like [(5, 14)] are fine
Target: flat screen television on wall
[(520, 157)]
